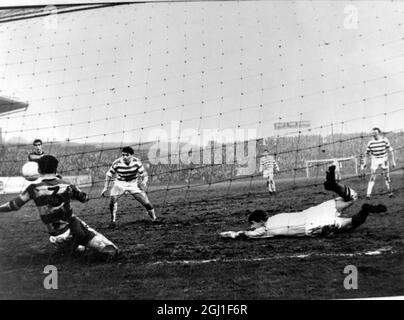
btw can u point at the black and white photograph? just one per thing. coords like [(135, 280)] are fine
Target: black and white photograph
[(201, 150)]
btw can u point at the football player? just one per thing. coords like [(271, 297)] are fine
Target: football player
[(268, 166), (131, 177), (378, 150), (52, 196), (37, 153), (321, 219)]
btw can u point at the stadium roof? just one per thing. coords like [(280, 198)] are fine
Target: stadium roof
[(8, 105), (8, 14)]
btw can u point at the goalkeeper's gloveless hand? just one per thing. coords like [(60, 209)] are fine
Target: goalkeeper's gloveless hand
[(228, 234), (232, 234)]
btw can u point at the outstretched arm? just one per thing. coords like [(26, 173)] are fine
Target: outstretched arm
[(232, 234), (15, 204), (143, 178), (108, 179), (367, 155), (393, 161), (143, 181), (257, 233), (79, 195)]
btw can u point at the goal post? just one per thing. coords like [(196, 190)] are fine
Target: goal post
[(347, 165)]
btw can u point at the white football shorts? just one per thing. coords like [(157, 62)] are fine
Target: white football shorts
[(382, 162), (268, 174), (120, 187)]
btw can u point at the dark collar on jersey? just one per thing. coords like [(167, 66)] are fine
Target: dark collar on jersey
[(48, 176)]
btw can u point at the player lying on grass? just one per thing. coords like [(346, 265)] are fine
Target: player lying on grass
[(321, 219), (52, 196)]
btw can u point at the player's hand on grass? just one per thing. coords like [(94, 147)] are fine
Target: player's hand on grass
[(231, 234), (228, 234)]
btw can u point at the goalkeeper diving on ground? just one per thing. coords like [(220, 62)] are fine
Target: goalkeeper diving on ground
[(322, 219)]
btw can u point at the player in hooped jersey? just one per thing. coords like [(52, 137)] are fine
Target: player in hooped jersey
[(131, 177), (322, 219), (52, 196), (378, 150), (268, 166), (37, 153)]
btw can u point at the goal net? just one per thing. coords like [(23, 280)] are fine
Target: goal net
[(198, 89), (347, 166)]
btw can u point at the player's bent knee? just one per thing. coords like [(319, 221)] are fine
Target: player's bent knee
[(80, 231), (353, 194), (101, 244), (63, 241)]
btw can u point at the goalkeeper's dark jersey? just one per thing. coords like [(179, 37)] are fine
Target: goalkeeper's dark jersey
[(52, 197), (33, 156)]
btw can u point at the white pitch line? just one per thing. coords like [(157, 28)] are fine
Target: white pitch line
[(294, 256)]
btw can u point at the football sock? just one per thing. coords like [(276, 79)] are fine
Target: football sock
[(113, 207), (152, 214), (342, 190), (388, 185), (370, 187), (330, 182)]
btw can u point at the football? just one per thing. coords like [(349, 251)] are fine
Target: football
[(30, 171)]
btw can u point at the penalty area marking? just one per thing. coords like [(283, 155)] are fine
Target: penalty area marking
[(380, 251)]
